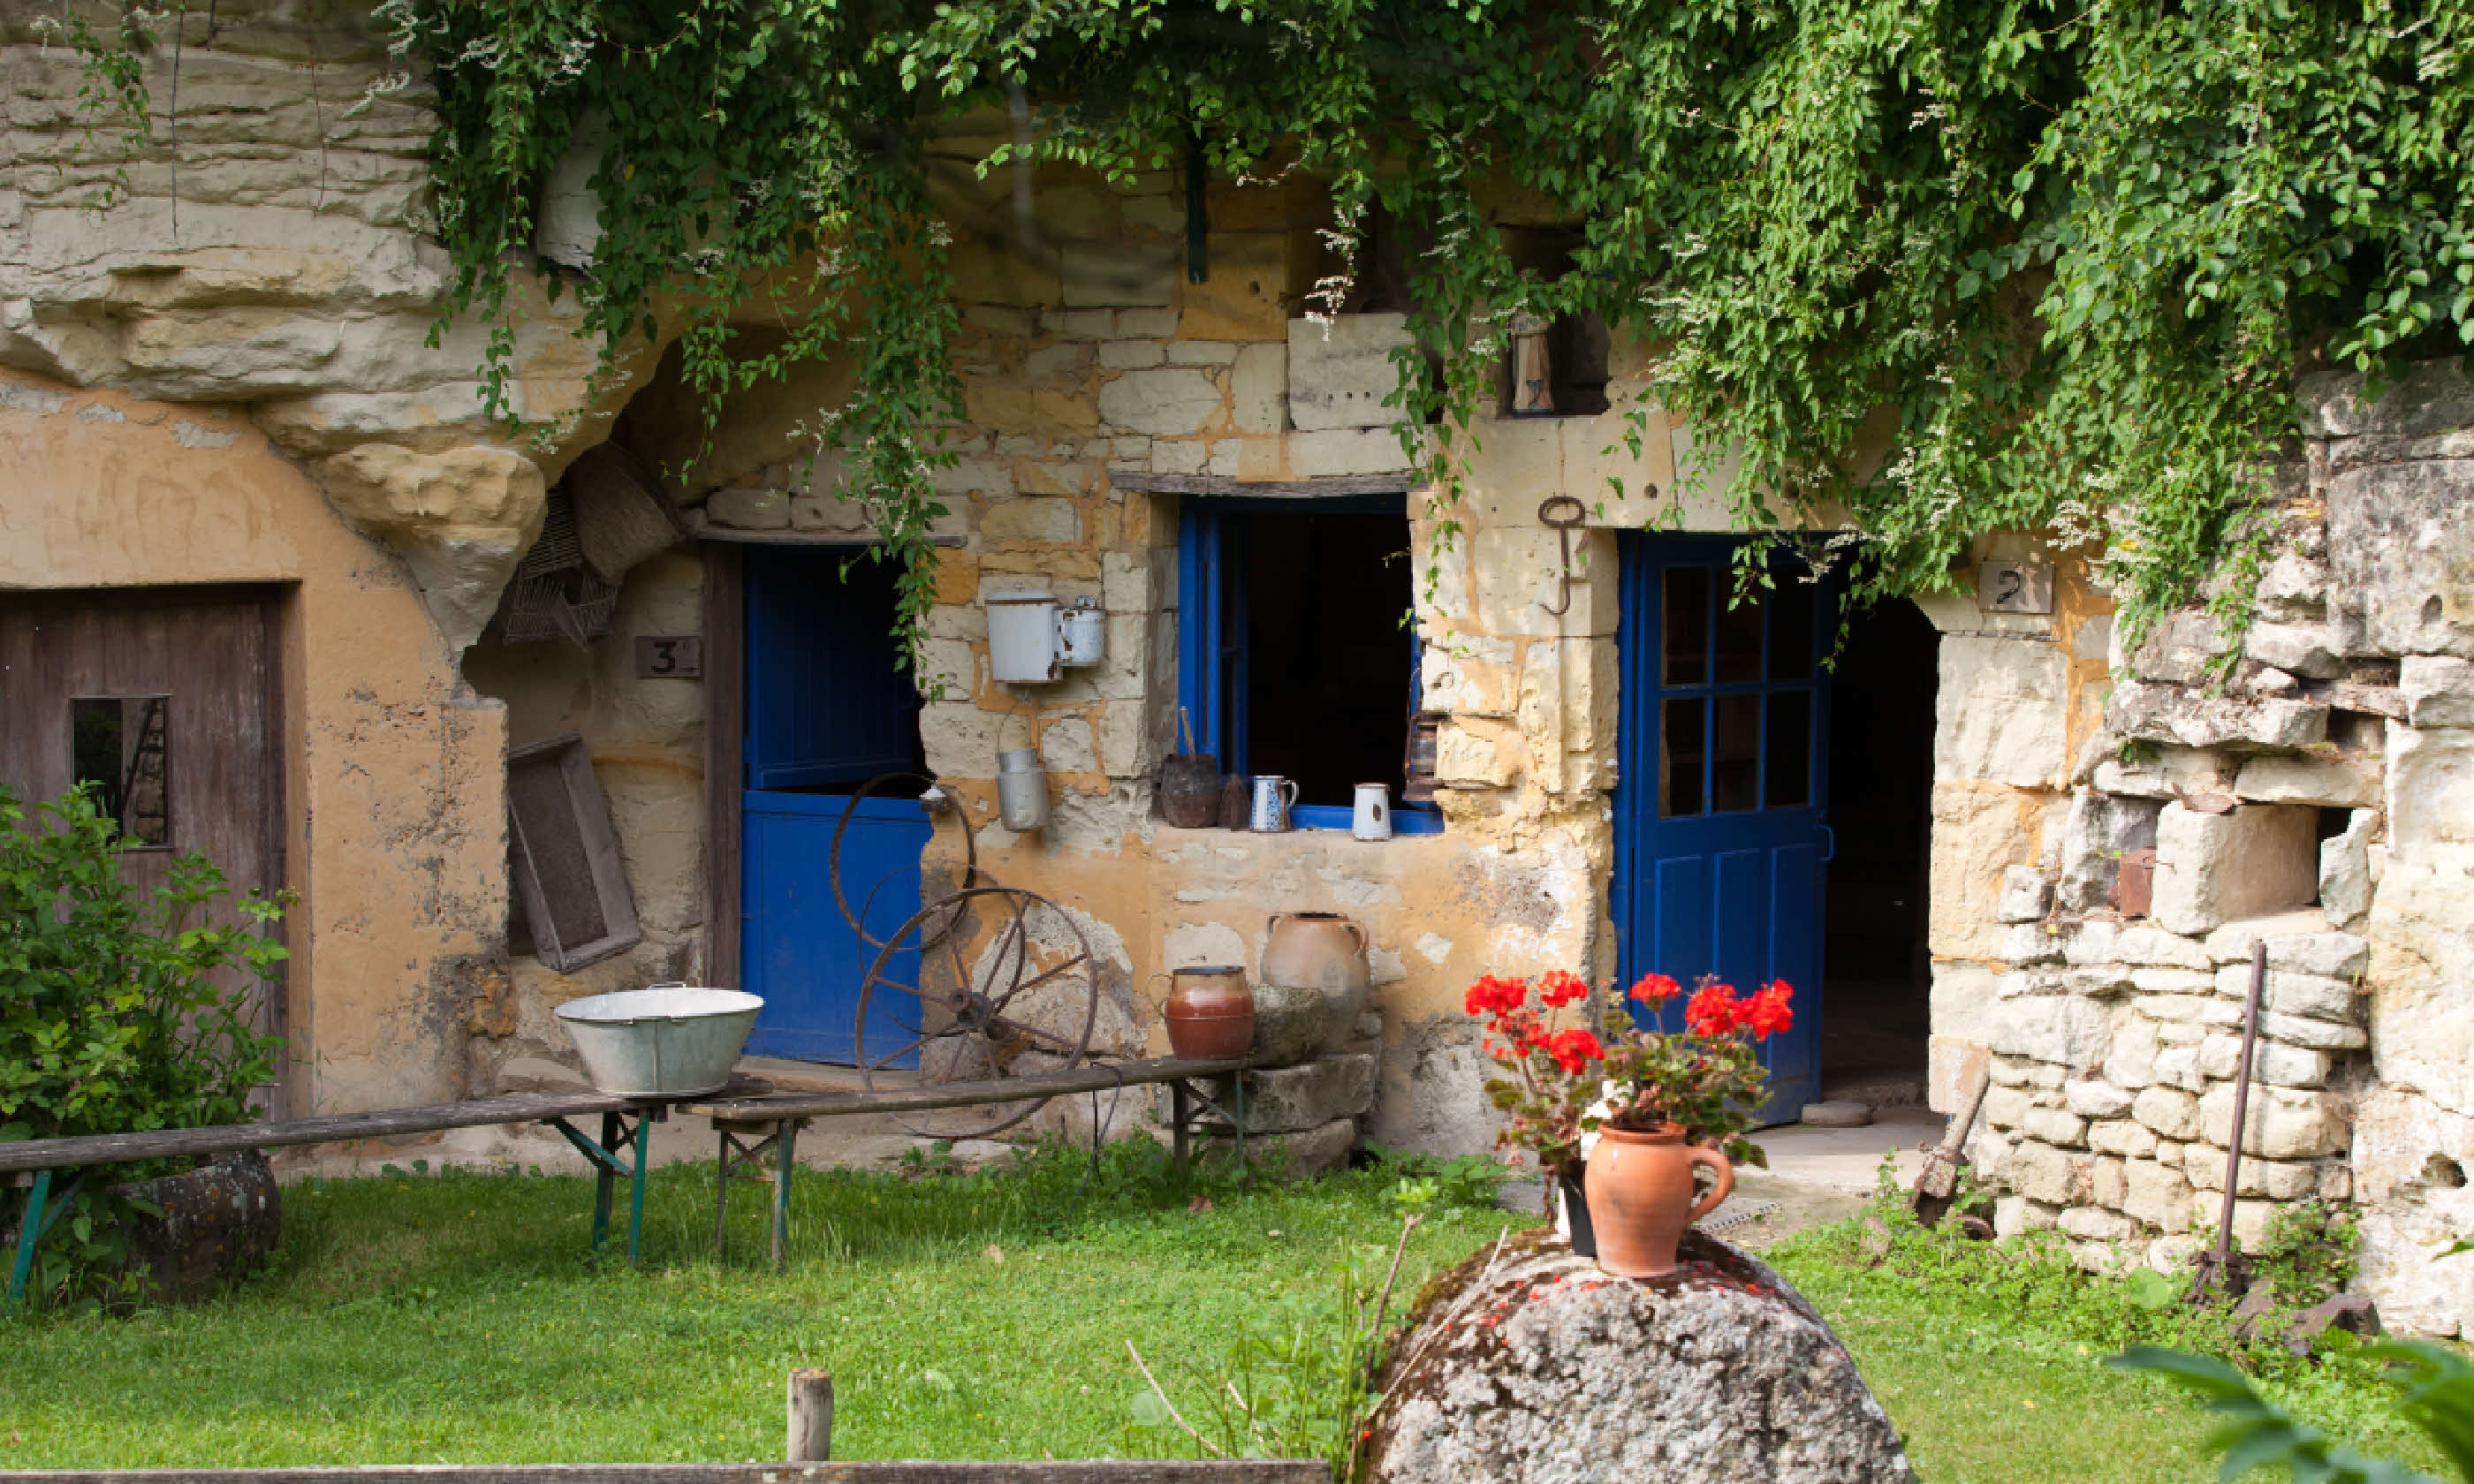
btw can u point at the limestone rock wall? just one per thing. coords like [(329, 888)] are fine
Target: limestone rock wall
[(2322, 800), (266, 248)]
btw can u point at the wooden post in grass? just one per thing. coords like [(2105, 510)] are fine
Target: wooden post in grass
[(812, 1417)]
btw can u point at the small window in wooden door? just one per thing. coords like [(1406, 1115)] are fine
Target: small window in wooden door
[(121, 748)]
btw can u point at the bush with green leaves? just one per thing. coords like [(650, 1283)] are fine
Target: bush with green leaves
[(2436, 1397), (122, 1011)]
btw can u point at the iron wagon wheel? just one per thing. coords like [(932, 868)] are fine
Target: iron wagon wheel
[(972, 876), (1007, 988)]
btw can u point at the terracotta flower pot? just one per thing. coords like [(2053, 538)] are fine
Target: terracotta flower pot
[(1639, 1189)]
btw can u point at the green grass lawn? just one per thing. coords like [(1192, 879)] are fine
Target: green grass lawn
[(429, 1318)]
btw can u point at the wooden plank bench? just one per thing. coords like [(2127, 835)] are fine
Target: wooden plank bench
[(772, 1121), (1101, 1471), (746, 1107)]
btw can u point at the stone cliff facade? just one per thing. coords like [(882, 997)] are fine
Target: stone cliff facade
[(244, 395)]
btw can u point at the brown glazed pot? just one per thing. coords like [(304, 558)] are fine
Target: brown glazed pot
[(1639, 1189), (1210, 1012), (1326, 951)]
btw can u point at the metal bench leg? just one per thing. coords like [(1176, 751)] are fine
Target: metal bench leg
[(1237, 1118), (30, 1233), (720, 1193), (1180, 1113), (786, 1139), (602, 1177), (636, 1198)]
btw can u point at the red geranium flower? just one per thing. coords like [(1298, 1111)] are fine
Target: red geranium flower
[(1573, 1050), (1767, 1012), (1656, 990), (1558, 988), (1713, 1011), (1493, 994)]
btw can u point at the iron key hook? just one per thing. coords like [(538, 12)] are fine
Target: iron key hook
[(1563, 525)]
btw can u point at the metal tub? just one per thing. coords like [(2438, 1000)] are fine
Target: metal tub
[(669, 1041)]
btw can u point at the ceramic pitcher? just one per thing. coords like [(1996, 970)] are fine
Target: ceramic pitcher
[(1371, 819), (1273, 798)]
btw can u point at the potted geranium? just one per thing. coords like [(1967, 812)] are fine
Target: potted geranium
[(1657, 1102)]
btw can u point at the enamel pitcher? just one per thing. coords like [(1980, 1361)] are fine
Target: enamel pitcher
[(1273, 798)]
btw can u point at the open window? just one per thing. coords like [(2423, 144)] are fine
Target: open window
[(1295, 659)]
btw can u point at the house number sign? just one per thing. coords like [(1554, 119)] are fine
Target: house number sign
[(2014, 586), (670, 656)]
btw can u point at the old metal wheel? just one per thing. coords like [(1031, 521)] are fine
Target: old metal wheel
[(1007, 988)]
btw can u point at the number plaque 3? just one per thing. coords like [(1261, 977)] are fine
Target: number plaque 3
[(670, 656), (2014, 586)]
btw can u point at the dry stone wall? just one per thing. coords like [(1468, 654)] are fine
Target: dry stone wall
[(2318, 800)]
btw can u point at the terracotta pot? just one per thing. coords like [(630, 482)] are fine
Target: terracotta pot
[(1326, 951), (1210, 1012), (1639, 1188)]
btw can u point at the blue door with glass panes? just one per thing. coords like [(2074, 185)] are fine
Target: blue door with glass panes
[(1720, 832), (827, 708)]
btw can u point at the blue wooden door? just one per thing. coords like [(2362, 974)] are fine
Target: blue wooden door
[(827, 709), (1720, 840)]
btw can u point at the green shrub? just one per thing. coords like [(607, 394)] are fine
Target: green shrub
[(121, 1011)]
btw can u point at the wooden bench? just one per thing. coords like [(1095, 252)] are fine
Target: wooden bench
[(746, 1108)]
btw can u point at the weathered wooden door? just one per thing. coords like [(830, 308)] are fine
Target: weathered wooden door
[(169, 701), (1720, 817), (827, 708)]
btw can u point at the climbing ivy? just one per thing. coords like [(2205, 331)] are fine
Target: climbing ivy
[(1948, 265)]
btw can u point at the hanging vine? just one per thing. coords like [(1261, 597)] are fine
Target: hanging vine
[(2055, 263)]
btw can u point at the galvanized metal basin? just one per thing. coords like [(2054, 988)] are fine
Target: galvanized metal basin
[(671, 1041)]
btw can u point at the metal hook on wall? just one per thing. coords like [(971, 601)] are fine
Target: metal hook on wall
[(1548, 515)]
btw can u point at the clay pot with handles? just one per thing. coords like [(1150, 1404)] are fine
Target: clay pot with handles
[(1639, 1192), (1326, 951), (1209, 1011)]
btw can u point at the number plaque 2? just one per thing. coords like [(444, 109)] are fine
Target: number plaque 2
[(2014, 586), (670, 656)]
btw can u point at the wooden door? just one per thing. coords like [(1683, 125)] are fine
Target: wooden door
[(1720, 817), (169, 700), (826, 708)]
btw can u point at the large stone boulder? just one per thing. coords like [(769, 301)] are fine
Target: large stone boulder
[(1533, 1366)]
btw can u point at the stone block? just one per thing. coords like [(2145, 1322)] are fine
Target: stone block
[(750, 510), (2055, 1126), (2154, 948), (2252, 859), (2025, 944), (2294, 589), (2311, 651), (2429, 785), (1309, 1154), (1164, 402), (2319, 1035), (1469, 673), (1079, 323), (1133, 354), (1342, 451), (2279, 1123), (2157, 1195), (2271, 1062), (2173, 983), (2127, 1137), (2297, 942), (2438, 690), (1036, 519), (1519, 572), (2008, 1107), (2274, 1179), (2056, 1177), (1293, 1099), (1144, 323), (2107, 1185), (2346, 870), (2002, 711), (2092, 942), (961, 740), (2291, 994), (1341, 372), (2026, 895), (2095, 1099), (2178, 1065), (2182, 649), (2131, 1060), (2094, 1223), (2189, 718), (1106, 273), (1977, 831), (1259, 389), (2400, 544), (999, 272), (1201, 352), (1124, 741), (2068, 1031), (1068, 746), (2340, 781), (2015, 1216), (2171, 1113)]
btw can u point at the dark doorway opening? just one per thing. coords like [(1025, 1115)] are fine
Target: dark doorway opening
[(1327, 658), (1875, 1043)]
